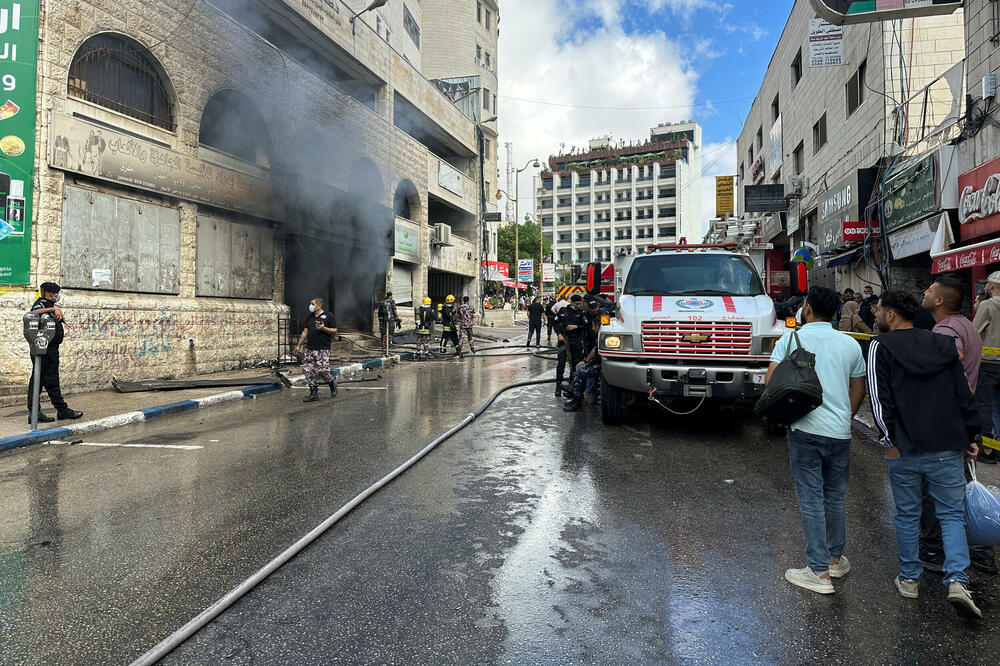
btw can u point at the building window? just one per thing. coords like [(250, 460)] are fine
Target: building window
[(489, 21), (479, 54), (856, 89), (819, 134), (775, 109), (487, 60), (411, 26), (479, 12), (232, 124), (741, 172), (799, 159), (750, 154), (388, 40), (797, 68), (760, 140), (494, 104), (486, 99), (118, 73)]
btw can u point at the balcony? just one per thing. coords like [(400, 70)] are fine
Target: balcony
[(565, 223), (546, 203), (624, 183), (546, 222), (461, 257), (583, 238), (667, 194), (565, 203), (667, 213), (450, 185), (566, 184), (583, 201), (584, 182)]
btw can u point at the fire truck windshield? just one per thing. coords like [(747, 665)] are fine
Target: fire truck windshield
[(685, 274)]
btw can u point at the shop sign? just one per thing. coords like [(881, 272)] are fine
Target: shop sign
[(764, 198), (854, 230), (724, 196), (548, 272), (826, 44), (770, 227), (501, 267), (970, 258), (525, 270), (406, 241), (99, 152), (911, 195), (915, 239), (979, 200), (18, 78), (842, 202), (780, 278), (757, 171), (774, 148)]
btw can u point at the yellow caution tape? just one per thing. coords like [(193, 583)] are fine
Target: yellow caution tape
[(989, 351), (990, 442), (994, 351)]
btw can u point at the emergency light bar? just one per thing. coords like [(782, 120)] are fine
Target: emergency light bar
[(691, 248)]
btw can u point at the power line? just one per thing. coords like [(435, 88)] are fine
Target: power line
[(622, 108)]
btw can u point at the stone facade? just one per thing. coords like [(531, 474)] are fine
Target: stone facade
[(982, 58), (201, 50)]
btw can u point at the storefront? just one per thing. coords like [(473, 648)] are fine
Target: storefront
[(842, 207), (978, 226)]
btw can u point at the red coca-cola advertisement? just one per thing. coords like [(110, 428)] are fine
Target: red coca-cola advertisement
[(967, 258), (979, 201)]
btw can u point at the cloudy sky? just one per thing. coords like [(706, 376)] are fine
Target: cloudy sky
[(571, 70)]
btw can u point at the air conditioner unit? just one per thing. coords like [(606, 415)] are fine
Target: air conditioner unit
[(442, 234)]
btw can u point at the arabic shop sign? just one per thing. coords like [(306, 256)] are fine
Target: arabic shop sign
[(406, 241), (979, 200), (843, 202), (911, 195), (18, 79)]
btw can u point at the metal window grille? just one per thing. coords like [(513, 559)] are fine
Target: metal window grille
[(116, 73)]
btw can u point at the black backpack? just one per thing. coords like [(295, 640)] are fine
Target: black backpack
[(794, 389)]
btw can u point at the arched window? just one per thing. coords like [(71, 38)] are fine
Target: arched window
[(232, 124), (406, 202), (120, 74)]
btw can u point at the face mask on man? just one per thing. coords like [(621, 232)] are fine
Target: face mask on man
[(312, 308), (57, 299)]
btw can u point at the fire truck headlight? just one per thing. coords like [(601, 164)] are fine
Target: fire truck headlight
[(612, 342)]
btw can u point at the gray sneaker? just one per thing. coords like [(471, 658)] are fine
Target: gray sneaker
[(960, 598), (840, 568), (908, 587), (808, 579)]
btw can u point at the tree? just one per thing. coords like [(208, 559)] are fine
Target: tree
[(527, 247)]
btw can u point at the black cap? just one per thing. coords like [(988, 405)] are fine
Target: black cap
[(575, 298), (50, 287), (592, 304)]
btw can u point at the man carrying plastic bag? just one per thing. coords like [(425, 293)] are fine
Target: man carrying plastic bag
[(927, 416), (982, 513)]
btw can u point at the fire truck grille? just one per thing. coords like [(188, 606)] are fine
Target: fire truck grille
[(688, 338)]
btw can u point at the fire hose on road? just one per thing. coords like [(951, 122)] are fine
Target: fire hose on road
[(174, 640)]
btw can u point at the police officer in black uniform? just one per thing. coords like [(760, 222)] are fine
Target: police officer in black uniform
[(50, 362), (558, 321), (575, 324)]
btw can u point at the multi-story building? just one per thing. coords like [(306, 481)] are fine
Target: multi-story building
[(828, 131), (198, 171), (608, 198)]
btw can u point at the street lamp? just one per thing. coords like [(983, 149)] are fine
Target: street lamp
[(541, 247), (532, 163), (375, 4)]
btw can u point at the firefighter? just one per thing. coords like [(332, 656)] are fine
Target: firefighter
[(388, 319), (449, 326), (425, 327)]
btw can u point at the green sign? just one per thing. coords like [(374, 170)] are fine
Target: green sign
[(406, 241), (18, 57), (911, 195)]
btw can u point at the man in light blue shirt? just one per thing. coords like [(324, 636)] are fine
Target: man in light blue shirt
[(819, 443)]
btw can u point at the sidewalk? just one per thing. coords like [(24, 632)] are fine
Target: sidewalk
[(988, 474), (103, 410)]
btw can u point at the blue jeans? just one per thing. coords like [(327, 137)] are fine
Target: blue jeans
[(988, 397), (945, 477), (585, 380), (821, 466)]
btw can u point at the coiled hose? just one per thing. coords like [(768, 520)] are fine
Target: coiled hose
[(167, 645)]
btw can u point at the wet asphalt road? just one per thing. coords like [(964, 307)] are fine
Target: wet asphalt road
[(532, 536)]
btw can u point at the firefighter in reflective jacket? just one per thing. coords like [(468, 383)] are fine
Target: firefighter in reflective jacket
[(449, 325), (425, 327)]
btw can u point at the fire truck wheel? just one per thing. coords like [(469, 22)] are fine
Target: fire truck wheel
[(612, 403)]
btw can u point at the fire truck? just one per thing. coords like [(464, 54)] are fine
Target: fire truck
[(691, 323)]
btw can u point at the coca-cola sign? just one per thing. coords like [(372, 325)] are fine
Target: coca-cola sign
[(970, 258), (979, 201)]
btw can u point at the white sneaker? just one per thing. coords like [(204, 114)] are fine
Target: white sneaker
[(841, 568), (961, 600), (809, 580), (908, 587)]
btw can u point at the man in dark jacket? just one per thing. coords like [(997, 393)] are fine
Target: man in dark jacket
[(928, 420)]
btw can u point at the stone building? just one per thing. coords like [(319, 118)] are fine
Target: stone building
[(607, 198), (203, 169), (828, 131)]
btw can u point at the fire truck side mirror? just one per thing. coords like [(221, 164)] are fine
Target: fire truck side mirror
[(798, 279), (594, 278)]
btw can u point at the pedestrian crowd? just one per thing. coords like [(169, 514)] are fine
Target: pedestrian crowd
[(934, 394)]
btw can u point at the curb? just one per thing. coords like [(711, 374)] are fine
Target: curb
[(128, 418)]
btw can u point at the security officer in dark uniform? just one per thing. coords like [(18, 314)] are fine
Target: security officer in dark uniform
[(558, 321), (46, 304), (388, 319), (575, 324), (449, 326)]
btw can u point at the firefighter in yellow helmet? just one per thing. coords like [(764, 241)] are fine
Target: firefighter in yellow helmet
[(425, 327), (449, 326)]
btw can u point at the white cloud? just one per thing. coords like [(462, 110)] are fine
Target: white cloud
[(539, 60)]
